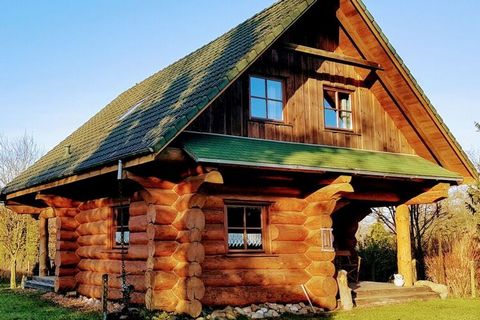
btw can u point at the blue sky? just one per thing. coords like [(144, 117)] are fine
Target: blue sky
[(62, 61)]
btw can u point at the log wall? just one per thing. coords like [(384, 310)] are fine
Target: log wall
[(175, 250), (177, 259), (96, 256), (293, 257), (66, 260)]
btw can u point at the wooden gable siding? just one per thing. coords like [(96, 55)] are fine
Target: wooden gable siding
[(304, 78), (400, 96)]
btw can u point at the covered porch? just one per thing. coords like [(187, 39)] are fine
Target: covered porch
[(44, 273)]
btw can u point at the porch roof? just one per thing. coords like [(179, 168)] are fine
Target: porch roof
[(249, 152)]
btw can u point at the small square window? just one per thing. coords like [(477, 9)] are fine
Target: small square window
[(326, 237), (266, 99), (245, 228), (121, 220), (337, 108)]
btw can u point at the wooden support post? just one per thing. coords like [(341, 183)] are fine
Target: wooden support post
[(404, 249), (473, 281), (414, 271), (344, 290), (43, 247)]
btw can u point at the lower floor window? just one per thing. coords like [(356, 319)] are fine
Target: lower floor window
[(245, 228), (122, 232)]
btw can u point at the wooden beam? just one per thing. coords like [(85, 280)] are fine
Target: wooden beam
[(43, 247), (57, 201), (374, 196), (48, 213), (334, 180), (149, 182), (23, 209), (331, 56), (338, 187), (83, 176), (437, 193), (168, 154)]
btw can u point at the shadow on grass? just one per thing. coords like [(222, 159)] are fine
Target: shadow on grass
[(27, 304)]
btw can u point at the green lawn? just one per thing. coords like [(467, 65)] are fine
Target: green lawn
[(458, 309), (24, 305), (27, 305)]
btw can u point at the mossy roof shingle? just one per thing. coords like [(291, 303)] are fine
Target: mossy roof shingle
[(249, 152), (168, 100)]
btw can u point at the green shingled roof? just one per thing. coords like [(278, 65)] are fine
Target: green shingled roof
[(212, 148), (167, 100)]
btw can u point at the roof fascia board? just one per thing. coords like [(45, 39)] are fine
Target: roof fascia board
[(80, 177)]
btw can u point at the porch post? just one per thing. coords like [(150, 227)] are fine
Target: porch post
[(404, 249), (43, 247)]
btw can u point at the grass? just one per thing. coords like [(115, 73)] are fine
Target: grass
[(27, 305), (458, 309)]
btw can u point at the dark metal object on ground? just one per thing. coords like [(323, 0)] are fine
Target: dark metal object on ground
[(105, 296)]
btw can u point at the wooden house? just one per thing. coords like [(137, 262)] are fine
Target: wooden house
[(246, 166)]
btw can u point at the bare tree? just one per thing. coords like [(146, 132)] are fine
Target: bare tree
[(422, 218), (15, 156)]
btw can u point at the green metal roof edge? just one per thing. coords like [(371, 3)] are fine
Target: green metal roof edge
[(235, 72), (416, 85), (451, 177)]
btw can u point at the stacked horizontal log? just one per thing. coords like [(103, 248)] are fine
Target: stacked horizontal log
[(95, 240), (322, 287), (293, 254), (175, 252), (274, 277), (65, 211), (66, 260)]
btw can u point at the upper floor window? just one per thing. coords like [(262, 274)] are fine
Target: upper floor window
[(245, 228), (337, 107), (121, 219), (266, 98)]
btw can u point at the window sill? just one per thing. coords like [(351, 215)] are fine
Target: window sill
[(344, 131), (273, 122)]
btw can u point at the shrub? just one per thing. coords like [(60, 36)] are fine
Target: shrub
[(378, 254), (455, 242)]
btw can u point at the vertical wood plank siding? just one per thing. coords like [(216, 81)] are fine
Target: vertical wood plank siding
[(305, 77)]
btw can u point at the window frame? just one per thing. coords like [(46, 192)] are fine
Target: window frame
[(117, 206), (264, 227), (324, 234), (250, 96), (338, 110)]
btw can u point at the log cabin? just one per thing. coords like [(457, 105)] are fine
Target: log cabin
[(238, 173)]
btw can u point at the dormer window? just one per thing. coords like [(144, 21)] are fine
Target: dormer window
[(266, 98), (337, 106)]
